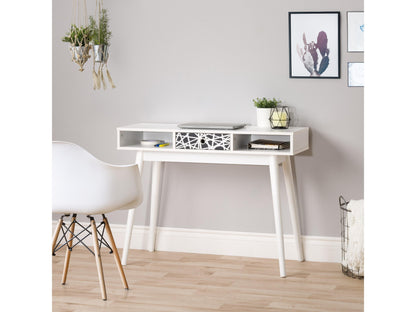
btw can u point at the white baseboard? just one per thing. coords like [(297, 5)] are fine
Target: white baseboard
[(245, 244)]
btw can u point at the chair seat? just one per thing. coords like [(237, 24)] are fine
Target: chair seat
[(92, 209), (83, 184)]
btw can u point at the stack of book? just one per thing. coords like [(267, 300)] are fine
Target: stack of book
[(268, 145)]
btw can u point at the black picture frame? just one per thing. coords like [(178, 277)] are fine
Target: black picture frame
[(323, 29)]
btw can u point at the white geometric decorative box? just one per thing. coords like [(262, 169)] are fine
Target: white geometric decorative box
[(203, 141)]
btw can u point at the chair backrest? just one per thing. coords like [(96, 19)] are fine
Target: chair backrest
[(83, 184)]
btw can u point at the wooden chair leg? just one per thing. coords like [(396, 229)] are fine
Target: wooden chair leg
[(68, 249), (55, 235), (115, 252), (98, 259)]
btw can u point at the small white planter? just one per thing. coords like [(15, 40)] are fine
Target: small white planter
[(263, 115)]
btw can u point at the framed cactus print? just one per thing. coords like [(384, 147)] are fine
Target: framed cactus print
[(314, 44)]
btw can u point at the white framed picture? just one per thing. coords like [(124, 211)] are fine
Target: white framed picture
[(314, 44), (355, 74), (355, 31)]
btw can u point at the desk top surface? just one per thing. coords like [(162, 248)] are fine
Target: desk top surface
[(166, 127)]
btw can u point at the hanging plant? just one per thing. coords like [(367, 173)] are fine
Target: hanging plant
[(100, 32), (100, 36), (79, 36)]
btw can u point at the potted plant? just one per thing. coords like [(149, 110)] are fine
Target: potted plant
[(100, 36), (264, 107), (79, 38)]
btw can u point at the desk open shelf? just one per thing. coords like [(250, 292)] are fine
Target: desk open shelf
[(207, 140)]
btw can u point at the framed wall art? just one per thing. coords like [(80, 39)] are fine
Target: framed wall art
[(355, 74), (355, 31), (314, 44)]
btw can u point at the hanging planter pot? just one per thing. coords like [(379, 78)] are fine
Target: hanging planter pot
[(79, 34), (100, 34), (100, 52), (80, 55), (79, 38), (100, 56)]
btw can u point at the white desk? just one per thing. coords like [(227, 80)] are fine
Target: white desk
[(199, 150)]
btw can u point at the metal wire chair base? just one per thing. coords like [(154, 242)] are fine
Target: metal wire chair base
[(69, 242)]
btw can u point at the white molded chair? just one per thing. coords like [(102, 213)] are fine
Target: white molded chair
[(82, 184)]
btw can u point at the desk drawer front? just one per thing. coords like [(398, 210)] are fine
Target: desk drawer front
[(203, 141)]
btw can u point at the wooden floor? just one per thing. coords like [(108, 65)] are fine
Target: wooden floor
[(168, 281)]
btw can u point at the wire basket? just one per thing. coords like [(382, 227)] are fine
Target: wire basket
[(351, 272)]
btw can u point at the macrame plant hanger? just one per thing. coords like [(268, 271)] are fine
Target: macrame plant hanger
[(100, 50), (80, 41)]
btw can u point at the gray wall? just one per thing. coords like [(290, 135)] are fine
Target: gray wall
[(205, 60)]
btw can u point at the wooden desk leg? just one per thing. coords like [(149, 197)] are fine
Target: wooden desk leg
[(274, 182), (127, 235), (130, 217), (157, 168), (293, 206)]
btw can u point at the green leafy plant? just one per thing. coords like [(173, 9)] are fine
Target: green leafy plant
[(101, 33), (266, 103), (78, 36)]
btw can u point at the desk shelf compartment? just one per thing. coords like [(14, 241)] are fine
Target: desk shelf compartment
[(241, 142), (131, 139)]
